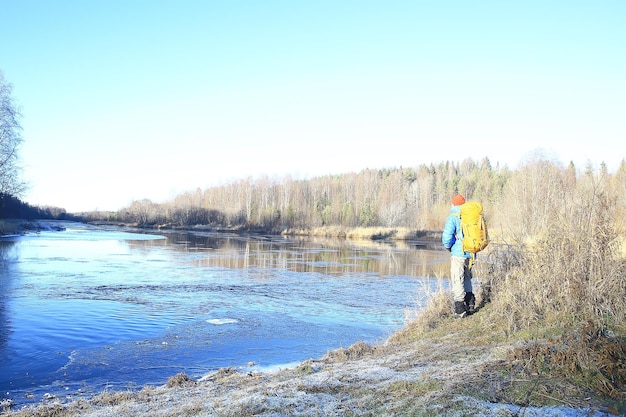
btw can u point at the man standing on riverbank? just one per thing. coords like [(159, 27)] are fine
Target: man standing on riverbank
[(460, 271)]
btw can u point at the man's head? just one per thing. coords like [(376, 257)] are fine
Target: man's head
[(458, 200)]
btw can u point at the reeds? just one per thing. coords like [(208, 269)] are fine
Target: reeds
[(563, 290), (359, 233), (570, 272)]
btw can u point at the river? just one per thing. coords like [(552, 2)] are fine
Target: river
[(91, 308)]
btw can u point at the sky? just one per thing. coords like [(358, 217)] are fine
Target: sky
[(125, 100)]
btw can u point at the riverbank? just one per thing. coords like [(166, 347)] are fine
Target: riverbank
[(353, 233), (17, 227), (436, 365)]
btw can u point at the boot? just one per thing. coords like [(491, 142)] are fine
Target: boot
[(459, 309), (470, 303)]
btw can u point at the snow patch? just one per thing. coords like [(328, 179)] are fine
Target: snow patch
[(221, 322)]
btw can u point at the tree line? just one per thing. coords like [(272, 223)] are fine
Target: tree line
[(415, 198), (12, 207), (394, 197)]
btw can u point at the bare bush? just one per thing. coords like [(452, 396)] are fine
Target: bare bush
[(571, 270), (180, 380)]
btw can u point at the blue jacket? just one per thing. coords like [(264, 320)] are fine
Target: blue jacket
[(452, 235)]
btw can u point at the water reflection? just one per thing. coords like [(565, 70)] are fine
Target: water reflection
[(327, 256), (101, 308), (7, 255)]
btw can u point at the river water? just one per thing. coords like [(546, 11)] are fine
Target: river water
[(87, 309)]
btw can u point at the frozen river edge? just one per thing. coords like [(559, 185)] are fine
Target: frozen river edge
[(446, 375), (450, 375)]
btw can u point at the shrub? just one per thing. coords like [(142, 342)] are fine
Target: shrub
[(570, 272)]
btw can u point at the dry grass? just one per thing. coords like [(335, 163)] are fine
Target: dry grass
[(108, 398), (6, 228), (10, 226), (561, 291), (588, 357), (180, 380), (572, 272), (360, 233), (557, 296), (358, 350), (424, 319)]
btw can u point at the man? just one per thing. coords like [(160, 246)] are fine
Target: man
[(460, 270)]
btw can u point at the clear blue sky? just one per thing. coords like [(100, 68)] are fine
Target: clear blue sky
[(126, 100)]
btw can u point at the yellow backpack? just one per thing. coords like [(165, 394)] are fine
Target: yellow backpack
[(474, 228)]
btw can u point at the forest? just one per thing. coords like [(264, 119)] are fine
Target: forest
[(415, 199)]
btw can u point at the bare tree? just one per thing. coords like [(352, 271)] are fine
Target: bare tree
[(405, 197), (10, 140), (143, 212)]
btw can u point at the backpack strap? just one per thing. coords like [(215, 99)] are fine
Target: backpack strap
[(472, 260), (460, 229)]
